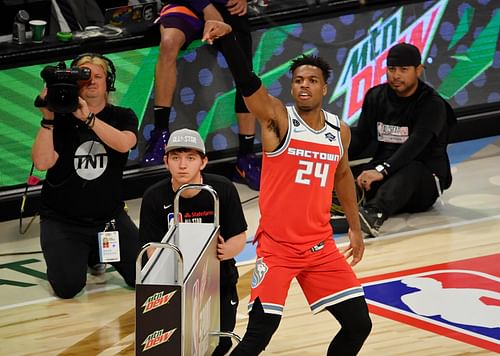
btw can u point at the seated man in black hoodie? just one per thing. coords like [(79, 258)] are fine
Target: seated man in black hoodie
[(406, 124)]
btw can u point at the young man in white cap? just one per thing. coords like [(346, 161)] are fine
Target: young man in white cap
[(185, 159)]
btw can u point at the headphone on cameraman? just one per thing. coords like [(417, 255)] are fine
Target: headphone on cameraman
[(111, 73)]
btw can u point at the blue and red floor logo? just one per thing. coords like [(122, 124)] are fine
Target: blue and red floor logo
[(459, 299)]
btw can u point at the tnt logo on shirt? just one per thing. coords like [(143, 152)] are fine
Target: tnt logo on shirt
[(460, 299), (91, 160)]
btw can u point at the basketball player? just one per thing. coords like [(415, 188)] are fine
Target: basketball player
[(305, 156)]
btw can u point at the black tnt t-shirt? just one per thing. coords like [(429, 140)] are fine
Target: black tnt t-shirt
[(84, 186)]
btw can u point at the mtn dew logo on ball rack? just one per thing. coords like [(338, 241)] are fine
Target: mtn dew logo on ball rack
[(365, 64)]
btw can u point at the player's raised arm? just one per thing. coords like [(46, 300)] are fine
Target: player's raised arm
[(270, 111)]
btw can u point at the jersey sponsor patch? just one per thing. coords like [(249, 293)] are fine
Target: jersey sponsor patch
[(330, 137), (259, 272), (460, 299), (392, 133)]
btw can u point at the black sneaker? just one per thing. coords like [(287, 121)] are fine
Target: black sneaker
[(371, 221)]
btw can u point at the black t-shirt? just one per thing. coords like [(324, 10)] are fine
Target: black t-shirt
[(157, 212), (405, 129), (85, 184)]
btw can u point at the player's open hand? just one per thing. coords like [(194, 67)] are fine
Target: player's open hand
[(356, 247), (215, 29)]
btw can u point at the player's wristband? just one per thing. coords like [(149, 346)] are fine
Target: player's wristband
[(245, 79)]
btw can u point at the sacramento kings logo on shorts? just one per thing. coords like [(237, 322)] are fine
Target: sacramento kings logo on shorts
[(91, 160), (259, 272)]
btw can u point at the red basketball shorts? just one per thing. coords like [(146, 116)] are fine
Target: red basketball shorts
[(324, 276)]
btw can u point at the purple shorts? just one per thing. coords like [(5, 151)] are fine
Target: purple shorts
[(183, 19)]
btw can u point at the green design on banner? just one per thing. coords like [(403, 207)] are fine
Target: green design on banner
[(463, 27), (20, 122), (134, 87), (270, 41), (475, 61)]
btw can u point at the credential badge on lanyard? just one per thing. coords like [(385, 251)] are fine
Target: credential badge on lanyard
[(109, 243)]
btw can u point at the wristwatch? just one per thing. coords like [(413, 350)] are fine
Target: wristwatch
[(381, 168)]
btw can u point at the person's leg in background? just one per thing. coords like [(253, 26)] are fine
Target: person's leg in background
[(228, 308), (66, 250), (248, 166), (178, 28), (410, 189)]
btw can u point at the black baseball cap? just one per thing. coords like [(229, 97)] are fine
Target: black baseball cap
[(404, 54)]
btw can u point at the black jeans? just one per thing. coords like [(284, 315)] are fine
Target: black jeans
[(409, 190), (68, 249)]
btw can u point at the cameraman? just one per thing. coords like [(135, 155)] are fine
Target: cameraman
[(84, 153)]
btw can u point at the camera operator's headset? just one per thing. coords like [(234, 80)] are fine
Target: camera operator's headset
[(110, 75), (110, 86)]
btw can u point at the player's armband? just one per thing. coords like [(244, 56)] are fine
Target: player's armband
[(246, 80), (251, 86)]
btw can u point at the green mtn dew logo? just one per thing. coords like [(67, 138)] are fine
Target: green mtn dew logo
[(365, 65)]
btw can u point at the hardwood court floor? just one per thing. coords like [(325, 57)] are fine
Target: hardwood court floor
[(100, 321)]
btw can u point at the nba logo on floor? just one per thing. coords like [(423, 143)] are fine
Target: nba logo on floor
[(460, 299)]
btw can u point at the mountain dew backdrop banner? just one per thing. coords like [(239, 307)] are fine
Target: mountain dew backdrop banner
[(459, 41)]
